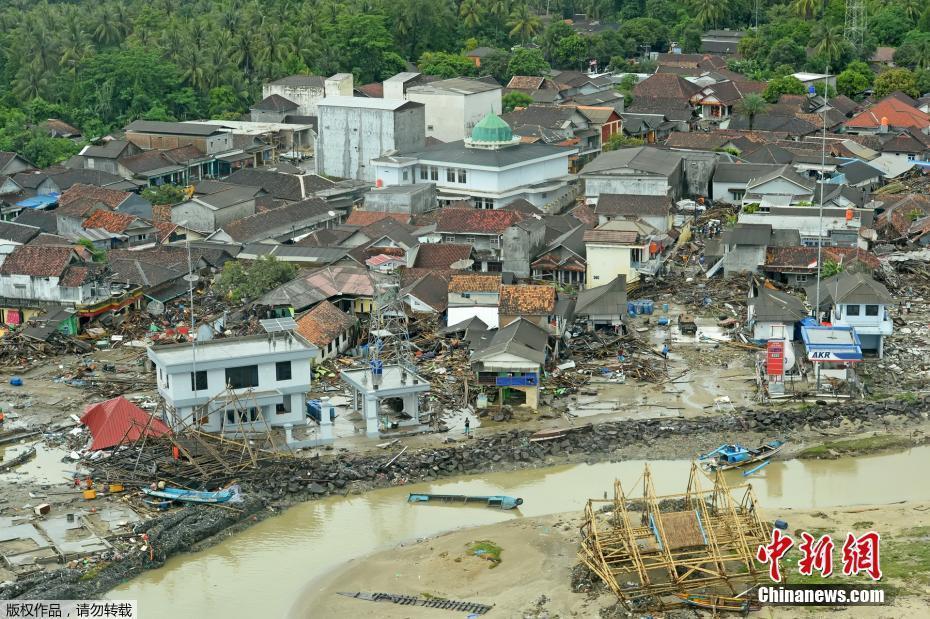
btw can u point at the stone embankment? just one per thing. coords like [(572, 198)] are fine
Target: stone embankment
[(194, 527)]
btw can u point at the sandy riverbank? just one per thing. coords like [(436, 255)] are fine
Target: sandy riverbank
[(533, 578)]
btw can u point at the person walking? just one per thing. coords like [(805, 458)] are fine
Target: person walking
[(467, 425)]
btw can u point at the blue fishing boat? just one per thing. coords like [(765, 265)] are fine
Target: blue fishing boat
[(194, 496), (733, 456), (496, 501)]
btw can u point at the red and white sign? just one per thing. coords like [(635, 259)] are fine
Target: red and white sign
[(775, 361)]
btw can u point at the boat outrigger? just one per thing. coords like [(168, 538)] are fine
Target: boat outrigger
[(734, 456), (498, 501)]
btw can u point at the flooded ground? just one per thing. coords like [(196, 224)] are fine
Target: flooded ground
[(45, 468), (280, 556)]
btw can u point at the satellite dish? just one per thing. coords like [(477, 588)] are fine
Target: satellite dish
[(191, 277), (155, 307), (331, 213)]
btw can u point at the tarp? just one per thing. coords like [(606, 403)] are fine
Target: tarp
[(109, 422)]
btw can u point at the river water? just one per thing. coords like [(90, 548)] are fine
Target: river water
[(263, 571)]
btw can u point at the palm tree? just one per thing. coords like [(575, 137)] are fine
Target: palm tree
[(752, 105), (470, 12), (107, 31), (922, 50), (75, 45), (805, 8), (829, 42), (31, 81), (912, 8), (708, 12), (523, 24)]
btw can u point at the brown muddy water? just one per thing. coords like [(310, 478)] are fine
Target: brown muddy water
[(263, 571)]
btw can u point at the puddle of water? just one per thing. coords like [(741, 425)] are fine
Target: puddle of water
[(281, 555), (46, 467)]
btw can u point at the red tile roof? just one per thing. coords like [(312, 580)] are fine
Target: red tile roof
[(37, 261), (110, 197), (323, 324), (74, 276), (110, 221), (898, 113), (800, 258), (477, 221), (374, 90), (526, 299), (487, 282), (665, 85), (441, 255), (366, 218)]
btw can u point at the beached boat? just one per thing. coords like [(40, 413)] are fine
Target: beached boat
[(19, 459), (194, 496), (717, 603), (735, 456), (497, 501)]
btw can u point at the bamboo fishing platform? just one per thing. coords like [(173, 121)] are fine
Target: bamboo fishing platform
[(649, 550)]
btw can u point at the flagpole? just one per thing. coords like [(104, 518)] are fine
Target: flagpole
[(823, 166)]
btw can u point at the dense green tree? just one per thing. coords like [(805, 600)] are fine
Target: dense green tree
[(890, 25), (527, 62), (644, 31), (164, 194), (446, 65), (514, 100), (551, 36), (852, 83), (922, 77), (240, 280), (497, 65), (914, 51), (523, 23), (786, 51), (572, 52), (896, 79), (787, 85)]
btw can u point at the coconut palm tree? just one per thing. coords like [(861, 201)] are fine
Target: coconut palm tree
[(752, 105), (829, 42), (912, 8), (708, 12), (31, 81), (107, 31), (805, 8), (523, 24), (470, 12)]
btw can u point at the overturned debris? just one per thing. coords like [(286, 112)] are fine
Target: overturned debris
[(651, 549), (412, 600)]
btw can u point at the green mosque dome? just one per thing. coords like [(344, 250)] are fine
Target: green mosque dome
[(491, 129)]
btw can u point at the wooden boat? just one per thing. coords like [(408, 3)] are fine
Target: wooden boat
[(193, 496), (472, 608), (734, 456), (158, 504), (548, 435), (20, 459), (498, 501), (718, 602)]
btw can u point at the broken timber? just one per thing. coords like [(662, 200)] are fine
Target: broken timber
[(412, 600), (651, 549)]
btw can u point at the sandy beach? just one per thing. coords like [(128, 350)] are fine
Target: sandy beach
[(533, 578)]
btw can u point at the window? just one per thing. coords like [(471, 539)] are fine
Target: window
[(283, 408), (450, 175), (470, 239), (738, 193), (242, 376), (424, 173), (450, 238), (282, 370), (852, 310), (800, 278), (871, 310), (406, 175), (433, 173), (463, 175), (198, 380)]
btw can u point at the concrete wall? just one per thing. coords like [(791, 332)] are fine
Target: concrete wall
[(305, 98), (29, 288), (210, 144), (518, 246), (349, 138), (721, 191), (742, 258), (606, 262), (698, 169), (204, 219), (772, 330), (451, 116), (268, 116), (481, 242), (339, 85), (419, 199), (638, 185), (487, 314)]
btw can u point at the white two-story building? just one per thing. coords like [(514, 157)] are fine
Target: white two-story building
[(858, 301), (235, 385), (492, 168)]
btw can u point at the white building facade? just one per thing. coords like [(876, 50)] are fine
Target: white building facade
[(455, 106), (235, 385)]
